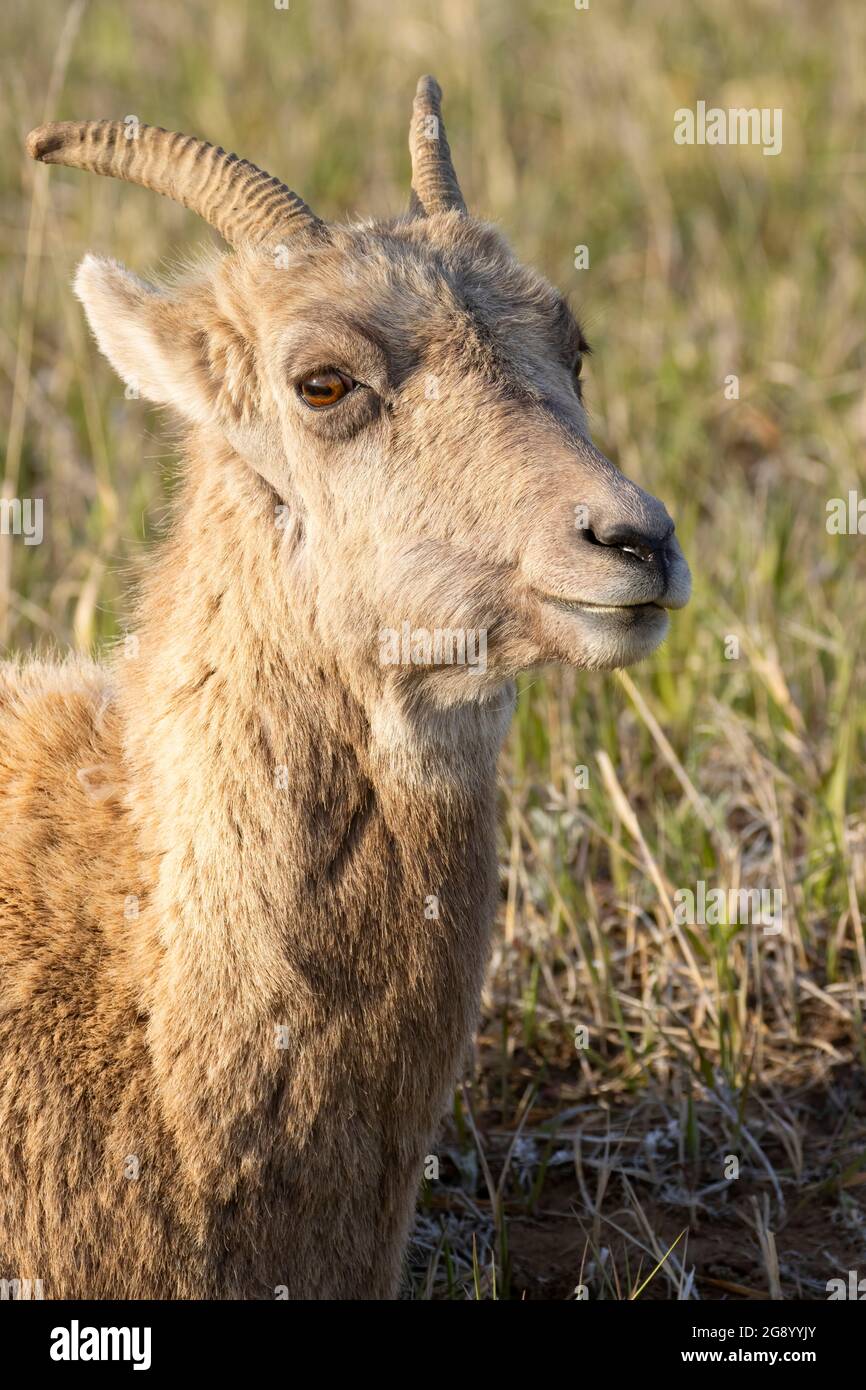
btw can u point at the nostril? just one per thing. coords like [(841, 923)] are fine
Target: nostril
[(645, 545), (643, 552)]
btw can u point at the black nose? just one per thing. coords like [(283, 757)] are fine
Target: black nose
[(646, 545)]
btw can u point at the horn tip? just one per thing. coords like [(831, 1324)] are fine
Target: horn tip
[(428, 87), (44, 141)]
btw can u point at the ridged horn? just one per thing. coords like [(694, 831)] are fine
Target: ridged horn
[(434, 182), (242, 202)]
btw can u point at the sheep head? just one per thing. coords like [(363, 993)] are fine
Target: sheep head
[(410, 393)]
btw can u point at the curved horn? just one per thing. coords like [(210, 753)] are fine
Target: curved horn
[(242, 202), (434, 182)]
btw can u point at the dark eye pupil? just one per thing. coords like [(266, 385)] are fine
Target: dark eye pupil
[(320, 386)]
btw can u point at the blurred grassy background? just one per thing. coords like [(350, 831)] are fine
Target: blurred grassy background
[(562, 1166)]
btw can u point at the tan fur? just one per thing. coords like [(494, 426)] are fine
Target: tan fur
[(229, 835)]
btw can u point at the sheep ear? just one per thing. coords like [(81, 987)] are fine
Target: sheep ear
[(170, 350)]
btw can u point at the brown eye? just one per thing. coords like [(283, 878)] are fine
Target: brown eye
[(325, 388)]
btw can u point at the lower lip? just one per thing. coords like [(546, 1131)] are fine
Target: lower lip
[(631, 609)]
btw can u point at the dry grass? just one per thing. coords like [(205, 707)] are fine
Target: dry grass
[(563, 1165)]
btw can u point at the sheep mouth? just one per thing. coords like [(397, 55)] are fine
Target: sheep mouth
[(573, 605)]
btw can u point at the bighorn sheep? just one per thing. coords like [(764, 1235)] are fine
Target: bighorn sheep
[(247, 874)]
